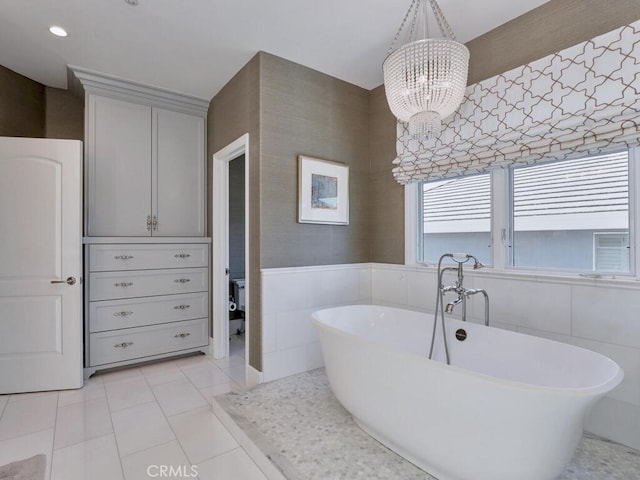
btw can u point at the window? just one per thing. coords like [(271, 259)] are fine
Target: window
[(559, 207), (456, 217), (611, 252), (571, 215)]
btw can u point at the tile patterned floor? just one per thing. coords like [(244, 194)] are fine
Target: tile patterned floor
[(308, 435), (122, 422)]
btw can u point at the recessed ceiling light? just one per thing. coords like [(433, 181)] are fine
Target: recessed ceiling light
[(58, 31)]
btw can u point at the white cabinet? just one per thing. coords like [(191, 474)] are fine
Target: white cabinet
[(178, 174), (145, 302), (147, 264), (118, 187), (146, 170)]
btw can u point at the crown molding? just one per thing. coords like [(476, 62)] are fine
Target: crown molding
[(82, 81)]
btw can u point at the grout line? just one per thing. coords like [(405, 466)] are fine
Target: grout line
[(175, 435), (53, 439), (263, 463), (113, 428)]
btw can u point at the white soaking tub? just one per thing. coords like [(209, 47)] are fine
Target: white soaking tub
[(510, 406)]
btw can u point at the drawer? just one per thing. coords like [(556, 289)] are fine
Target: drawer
[(146, 283), (119, 345), (117, 314), (106, 258)]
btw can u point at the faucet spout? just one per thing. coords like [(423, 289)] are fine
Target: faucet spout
[(450, 305)]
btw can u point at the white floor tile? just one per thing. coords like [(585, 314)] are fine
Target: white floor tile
[(95, 459), (82, 421), (162, 373), (201, 435), (4, 399), (209, 392), (205, 374), (118, 375), (128, 393), (28, 415), (177, 397), (238, 373), (17, 397), (141, 427), (190, 360), (27, 446), (235, 465), (92, 389), (152, 462)]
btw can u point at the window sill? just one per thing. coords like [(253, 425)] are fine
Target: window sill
[(567, 278)]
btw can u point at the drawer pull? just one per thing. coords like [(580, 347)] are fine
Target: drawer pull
[(181, 335), (123, 345), (182, 255), (181, 307), (123, 284), (123, 257), (182, 280), (122, 314)]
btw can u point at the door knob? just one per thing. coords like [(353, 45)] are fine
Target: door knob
[(68, 281)]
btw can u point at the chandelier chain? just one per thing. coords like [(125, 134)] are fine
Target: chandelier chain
[(404, 21), (414, 22), (445, 28)]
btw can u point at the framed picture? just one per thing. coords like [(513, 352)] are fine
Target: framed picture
[(323, 191)]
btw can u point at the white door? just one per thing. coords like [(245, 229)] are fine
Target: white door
[(119, 168), (179, 179), (40, 265)]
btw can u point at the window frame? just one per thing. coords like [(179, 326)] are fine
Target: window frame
[(421, 213), (502, 228)]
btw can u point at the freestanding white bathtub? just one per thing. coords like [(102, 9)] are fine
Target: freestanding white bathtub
[(509, 407)]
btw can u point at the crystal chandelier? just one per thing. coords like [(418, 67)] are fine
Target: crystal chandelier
[(425, 78)]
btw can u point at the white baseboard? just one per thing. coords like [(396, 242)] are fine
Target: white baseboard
[(254, 377)]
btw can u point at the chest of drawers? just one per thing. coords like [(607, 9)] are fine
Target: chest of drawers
[(144, 302)]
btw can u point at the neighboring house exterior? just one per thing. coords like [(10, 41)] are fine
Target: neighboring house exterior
[(570, 215)]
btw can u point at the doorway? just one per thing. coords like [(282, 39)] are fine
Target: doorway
[(230, 240), (236, 262)]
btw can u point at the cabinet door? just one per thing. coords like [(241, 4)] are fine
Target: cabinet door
[(119, 168), (178, 174)]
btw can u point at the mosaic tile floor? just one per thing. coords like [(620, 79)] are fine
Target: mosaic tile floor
[(308, 435)]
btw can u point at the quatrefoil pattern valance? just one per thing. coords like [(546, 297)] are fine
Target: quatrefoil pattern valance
[(580, 101)]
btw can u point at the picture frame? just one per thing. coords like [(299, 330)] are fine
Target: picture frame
[(323, 191)]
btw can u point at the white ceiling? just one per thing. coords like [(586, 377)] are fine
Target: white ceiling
[(196, 46)]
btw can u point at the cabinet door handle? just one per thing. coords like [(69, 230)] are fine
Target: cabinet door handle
[(123, 284), (122, 314), (182, 255), (182, 280), (123, 345), (123, 257), (181, 335), (154, 223), (181, 307), (149, 224)]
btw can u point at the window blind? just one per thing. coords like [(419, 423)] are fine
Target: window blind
[(583, 100)]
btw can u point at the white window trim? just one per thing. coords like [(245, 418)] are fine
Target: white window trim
[(500, 225)]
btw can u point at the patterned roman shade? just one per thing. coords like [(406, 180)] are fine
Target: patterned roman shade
[(580, 101)]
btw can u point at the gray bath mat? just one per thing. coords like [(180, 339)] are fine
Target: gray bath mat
[(28, 469)]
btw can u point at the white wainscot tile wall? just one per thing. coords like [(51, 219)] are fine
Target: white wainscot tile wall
[(600, 315), (289, 296)]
